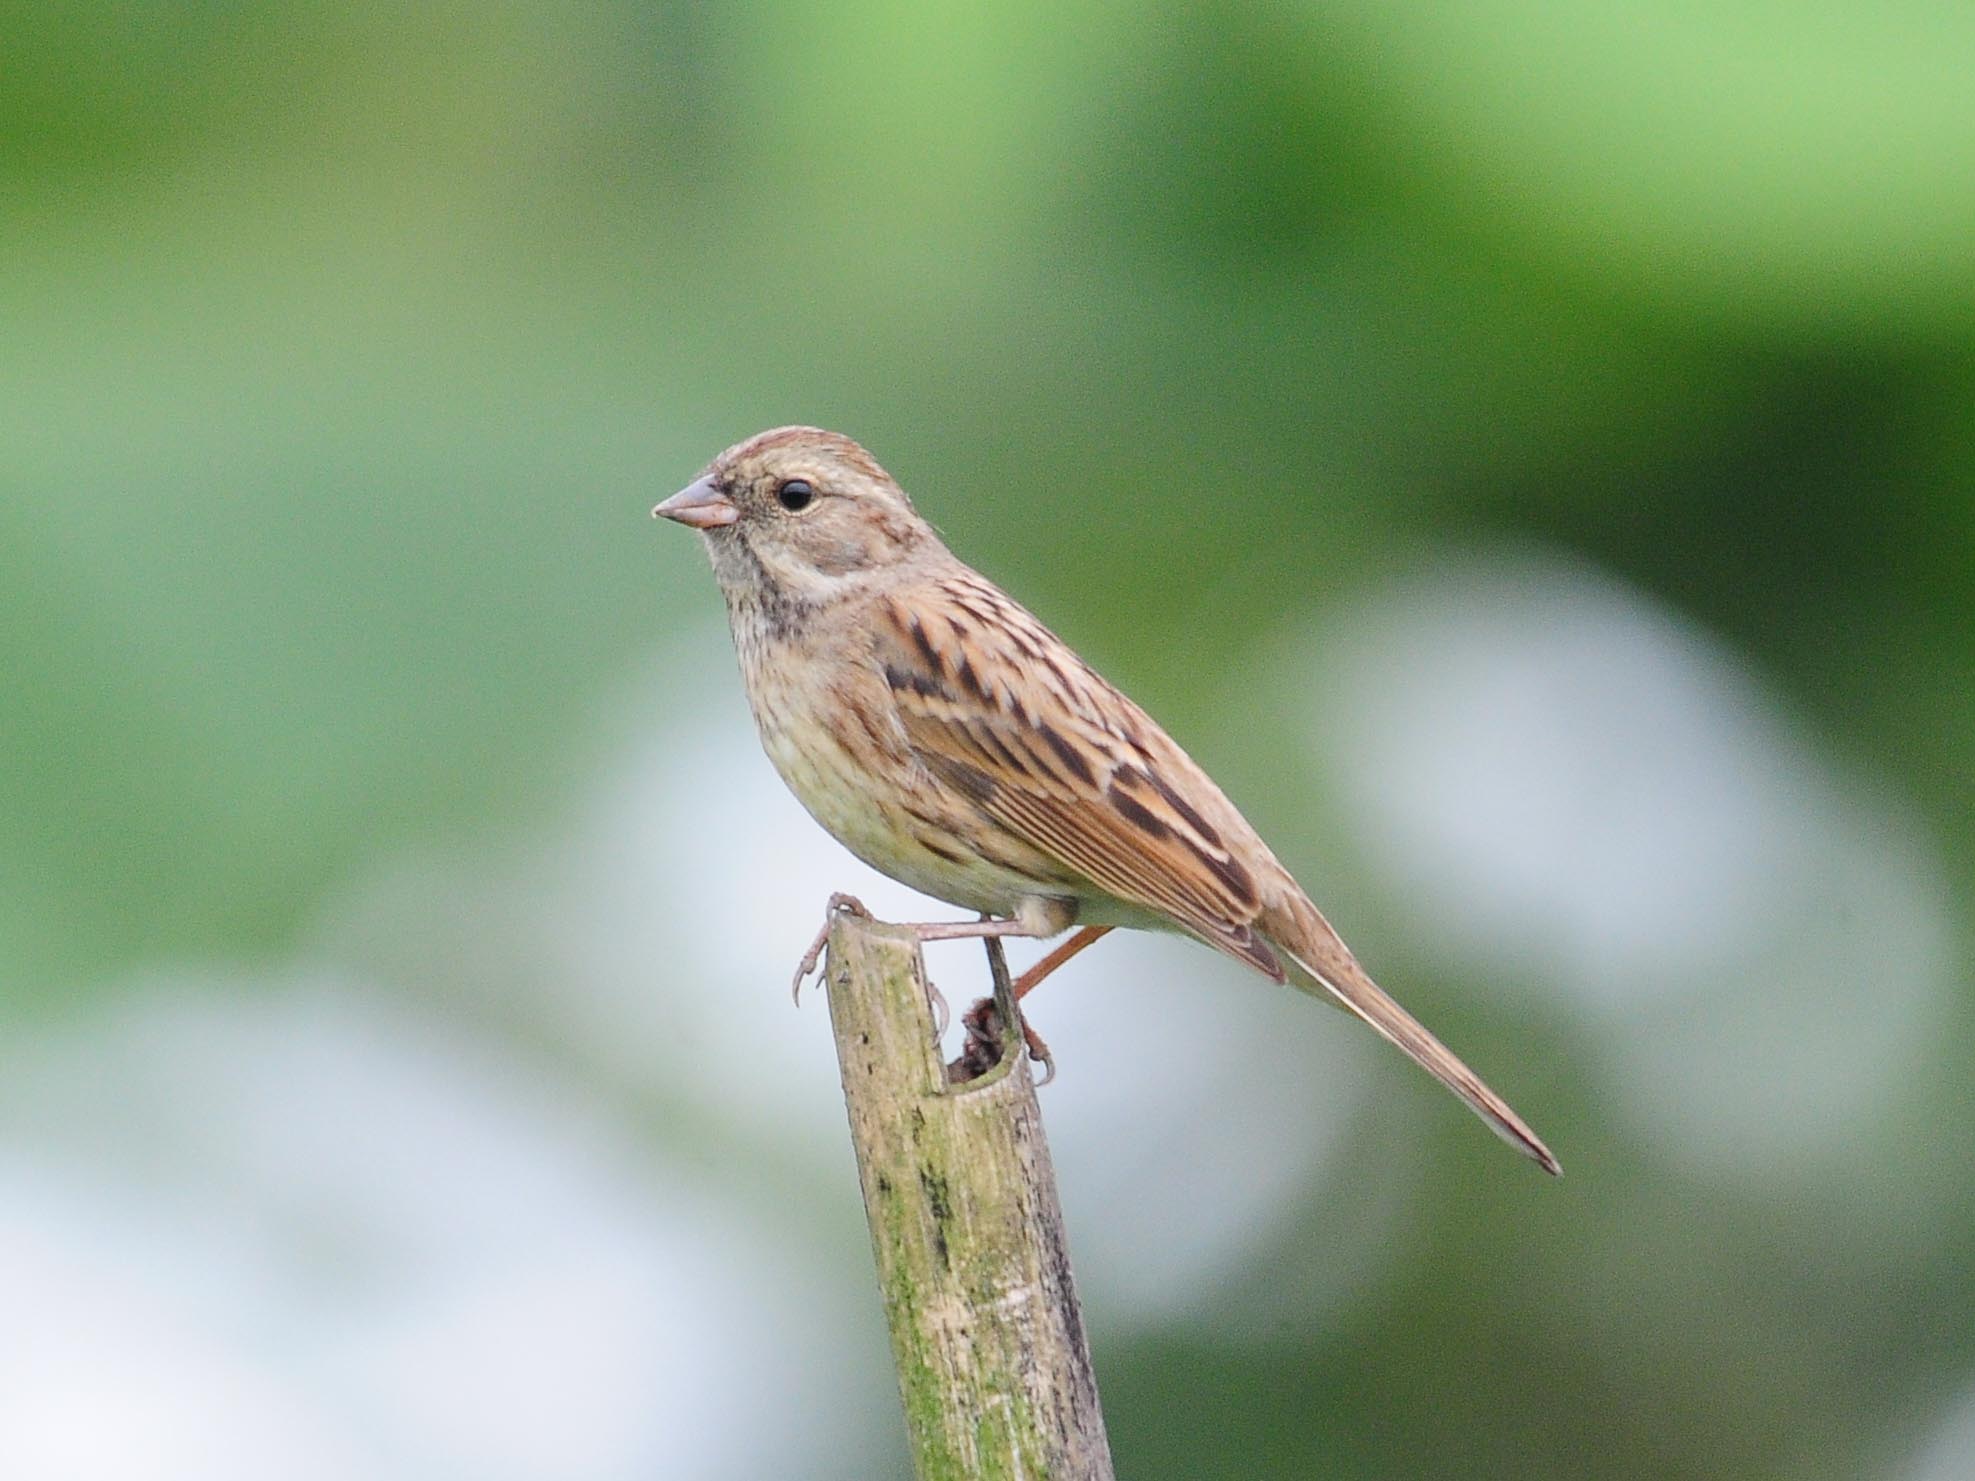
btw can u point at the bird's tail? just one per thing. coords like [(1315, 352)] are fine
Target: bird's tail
[(1321, 963)]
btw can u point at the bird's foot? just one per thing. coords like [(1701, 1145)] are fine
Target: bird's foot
[(849, 904), (982, 1050), (1039, 1052)]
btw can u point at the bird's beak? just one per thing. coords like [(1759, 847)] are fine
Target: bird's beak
[(700, 505)]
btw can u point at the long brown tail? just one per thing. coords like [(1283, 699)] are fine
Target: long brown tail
[(1321, 963)]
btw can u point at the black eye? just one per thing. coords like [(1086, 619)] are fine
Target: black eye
[(795, 493)]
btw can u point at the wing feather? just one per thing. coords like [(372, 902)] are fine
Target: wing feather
[(1067, 764), (1054, 758)]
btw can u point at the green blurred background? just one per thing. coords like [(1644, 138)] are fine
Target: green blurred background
[(1525, 450)]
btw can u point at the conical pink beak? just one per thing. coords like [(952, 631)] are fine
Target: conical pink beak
[(700, 505)]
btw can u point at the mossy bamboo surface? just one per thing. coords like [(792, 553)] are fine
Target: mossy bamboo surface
[(973, 1268)]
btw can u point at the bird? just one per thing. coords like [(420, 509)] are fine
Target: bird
[(951, 741)]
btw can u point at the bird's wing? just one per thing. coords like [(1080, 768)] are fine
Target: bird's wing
[(1001, 711)]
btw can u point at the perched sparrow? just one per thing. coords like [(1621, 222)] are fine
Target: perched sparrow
[(953, 742)]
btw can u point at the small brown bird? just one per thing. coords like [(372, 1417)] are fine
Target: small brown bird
[(953, 742)]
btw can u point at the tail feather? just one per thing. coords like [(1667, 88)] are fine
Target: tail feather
[(1320, 961)]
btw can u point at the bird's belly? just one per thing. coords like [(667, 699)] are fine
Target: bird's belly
[(917, 850)]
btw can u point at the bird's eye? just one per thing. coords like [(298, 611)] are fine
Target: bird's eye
[(795, 493)]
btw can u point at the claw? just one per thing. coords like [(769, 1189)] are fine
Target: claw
[(808, 963), (942, 1015), (1039, 1052), (849, 904)]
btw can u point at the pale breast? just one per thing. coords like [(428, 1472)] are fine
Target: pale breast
[(827, 722)]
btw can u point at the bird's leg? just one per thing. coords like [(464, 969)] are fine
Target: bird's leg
[(1038, 1050), (1040, 916), (960, 930), (998, 970), (981, 1049), (854, 906), (982, 1036), (1031, 979), (848, 903), (1036, 917)]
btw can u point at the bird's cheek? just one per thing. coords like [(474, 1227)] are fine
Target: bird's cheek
[(841, 557)]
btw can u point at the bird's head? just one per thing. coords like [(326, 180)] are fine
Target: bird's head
[(804, 511)]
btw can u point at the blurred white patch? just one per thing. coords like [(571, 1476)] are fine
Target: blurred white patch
[(656, 929), (291, 1229), (1949, 1453), (655, 935), (131, 1347), (1586, 794)]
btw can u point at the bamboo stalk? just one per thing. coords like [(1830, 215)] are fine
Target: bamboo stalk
[(993, 1367)]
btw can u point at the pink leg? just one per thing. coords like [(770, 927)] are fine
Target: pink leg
[(926, 931), (961, 930), (982, 1048), (1031, 979), (811, 957)]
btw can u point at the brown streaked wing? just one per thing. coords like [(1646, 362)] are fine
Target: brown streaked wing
[(1005, 714)]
